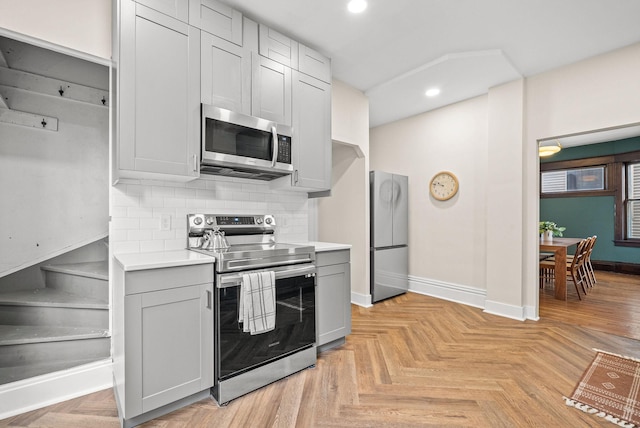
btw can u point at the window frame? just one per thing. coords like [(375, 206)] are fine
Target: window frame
[(615, 182), (623, 239), (601, 161)]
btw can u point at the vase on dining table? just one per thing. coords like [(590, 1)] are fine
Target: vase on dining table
[(547, 235)]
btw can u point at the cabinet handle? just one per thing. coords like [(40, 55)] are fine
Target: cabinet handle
[(295, 176), (208, 299), (195, 162), (274, 132)]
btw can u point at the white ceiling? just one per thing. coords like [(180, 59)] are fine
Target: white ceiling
[(396, 50), (594, 136)]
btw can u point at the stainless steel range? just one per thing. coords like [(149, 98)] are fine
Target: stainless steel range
[(245, 244)]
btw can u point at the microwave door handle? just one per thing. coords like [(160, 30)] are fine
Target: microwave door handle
[(274, 132)]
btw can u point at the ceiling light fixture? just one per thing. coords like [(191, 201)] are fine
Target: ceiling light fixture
[(432, 92), (357, 6), (549, 150)]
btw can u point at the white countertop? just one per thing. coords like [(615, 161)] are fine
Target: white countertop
[(326, 246), (161, 259)]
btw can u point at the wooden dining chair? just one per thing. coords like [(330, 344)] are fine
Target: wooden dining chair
[(587, 263), (587, 267), (574, 268)]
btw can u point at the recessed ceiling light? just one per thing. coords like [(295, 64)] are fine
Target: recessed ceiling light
[(357, 6), (432, 92)]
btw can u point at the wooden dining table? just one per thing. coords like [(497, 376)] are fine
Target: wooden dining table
[(559, 247)]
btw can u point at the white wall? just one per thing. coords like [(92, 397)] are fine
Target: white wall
[(54, 185), (344, 216), (504, 201), (447, 240), (596, 93), (83, 25), (486, 237), (137, 206)]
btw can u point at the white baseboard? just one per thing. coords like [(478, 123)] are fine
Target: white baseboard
[(447, 291), (504, 310), (531, 314), (41, 391), (363, 300), (470, 296)]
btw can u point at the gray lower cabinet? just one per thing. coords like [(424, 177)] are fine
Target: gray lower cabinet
[(163, 339), (333, 298)]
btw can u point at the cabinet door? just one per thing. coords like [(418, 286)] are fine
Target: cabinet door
[(169, 345), (217, 19), (178, 9), (226, 74), (333, 303), (311, 144), (159, 93), (278, 47), (270, 90), (314, 64)]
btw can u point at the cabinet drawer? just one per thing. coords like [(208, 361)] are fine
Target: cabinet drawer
[(314, 64), (164, 278), (217, 19), (178, 9), (327, 258), (278, 47)]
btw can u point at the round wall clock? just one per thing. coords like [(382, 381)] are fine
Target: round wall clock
[(443, 186)]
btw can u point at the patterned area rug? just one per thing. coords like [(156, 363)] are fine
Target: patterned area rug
[(610, 388)]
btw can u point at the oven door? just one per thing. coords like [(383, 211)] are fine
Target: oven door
[(295, 329)]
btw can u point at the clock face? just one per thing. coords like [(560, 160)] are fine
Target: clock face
[(443, 186)]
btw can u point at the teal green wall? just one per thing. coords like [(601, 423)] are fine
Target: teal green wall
[(591, 215)]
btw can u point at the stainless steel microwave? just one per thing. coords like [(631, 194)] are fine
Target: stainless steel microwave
[(237, 145)]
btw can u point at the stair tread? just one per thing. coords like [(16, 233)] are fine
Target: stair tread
[(48, 297), (21, 334), (16, 373), (98, 270)]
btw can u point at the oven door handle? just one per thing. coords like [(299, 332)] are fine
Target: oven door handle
[(235, 279)]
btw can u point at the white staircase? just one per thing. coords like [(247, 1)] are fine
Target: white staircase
[(63, 325)]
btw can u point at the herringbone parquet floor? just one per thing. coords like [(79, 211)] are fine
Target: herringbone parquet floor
[(416, 361)]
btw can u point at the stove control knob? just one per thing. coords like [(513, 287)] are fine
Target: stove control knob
[(259, 220), (268, 220), (197, 221), (209, 220)]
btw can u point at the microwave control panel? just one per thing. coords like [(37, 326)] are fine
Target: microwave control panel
[(284, 149)]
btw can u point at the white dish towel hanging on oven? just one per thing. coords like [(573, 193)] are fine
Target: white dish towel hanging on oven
[(257, 310)]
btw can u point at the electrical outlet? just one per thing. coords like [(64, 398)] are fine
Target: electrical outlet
[(165, 222)]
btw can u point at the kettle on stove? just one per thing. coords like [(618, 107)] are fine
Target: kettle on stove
[(215, 240)]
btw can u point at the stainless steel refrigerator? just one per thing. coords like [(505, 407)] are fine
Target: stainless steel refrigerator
[(389, 250)]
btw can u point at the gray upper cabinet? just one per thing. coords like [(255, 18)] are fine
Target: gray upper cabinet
[(311, 133), (226, 74), (278, 47), (270, 90), (178, 9), (158, 95), (314, 64), (217, 19)]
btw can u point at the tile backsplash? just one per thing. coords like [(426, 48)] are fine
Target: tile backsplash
[(138, 206)]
